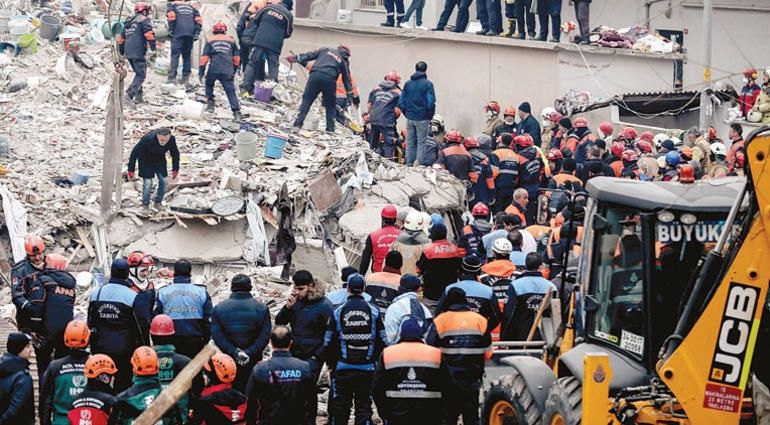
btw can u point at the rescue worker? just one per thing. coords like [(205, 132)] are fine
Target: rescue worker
[(184, 28), (505, 166), (329, 64), (406, 306), (394, 13), (17, 400), (63, 379), (471, 239), (671, 172), (134, 38), (151, 151), (409, 379), (614, 159), (630, 165), (411, 241), (719, 167), (527, 123), (281, 389), (240, 326), (219, 402), (116, 319), (247, 43), (648, 165), (266, 31), (307, 311), (480, 298), (585, 139), (552, 134), (438, 265), (481, 177), (224, 56), (462, 337), (27, 290), (493, 121), (144, 390), (504, 223), (454, 158), (508, 125), (749, 92), (525, 294), (383, 113), (383, 286), (338, 296), (171, 363), (354, 340), (498, 273), (140, 268), (379, 241), (531, 171), (189, 305), (605, 131), (736, 143), (341, 100), (96, 401), (518, 205)]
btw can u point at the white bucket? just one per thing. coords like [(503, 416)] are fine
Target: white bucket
[(192, 110), (246, 145)]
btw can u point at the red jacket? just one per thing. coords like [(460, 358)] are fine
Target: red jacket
[(377, 247)]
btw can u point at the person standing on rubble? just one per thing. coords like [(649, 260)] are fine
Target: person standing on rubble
[(184, 28), (438, 265), (266, 31), (379, 241), (329, 64), (240, 326), (225, 58), (406, 306), (383, 114), (411, 241), (418, 104), (133, 40), (151, 154)]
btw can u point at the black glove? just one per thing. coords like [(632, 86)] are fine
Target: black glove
[(356, 101)]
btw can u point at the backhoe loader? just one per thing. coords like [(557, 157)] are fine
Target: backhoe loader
[(673, 285)]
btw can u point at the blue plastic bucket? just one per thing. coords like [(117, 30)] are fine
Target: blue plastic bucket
[(274, 145)]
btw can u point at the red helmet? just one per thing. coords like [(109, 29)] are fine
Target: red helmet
[(480, 210), (393, 76), (554, 155), (492, 106), (712, 133), (555, 116), (140, 259), (523, 140), (34, 245), (389, 211), (644, 146), (628, 133), (471, 142), (510, 111), (162, 325), (142, 6), (750, 73), (630, 155), (223, 366), (580, 123), (617, 148), (606, 129), (55, 261), (219, 28), (647, 135), (454, 136)]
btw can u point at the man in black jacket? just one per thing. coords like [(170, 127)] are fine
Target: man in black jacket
[(266, 31), (281, 390), (329, 64), (151, 154), (240, 326), (17, 401), (528, 123)]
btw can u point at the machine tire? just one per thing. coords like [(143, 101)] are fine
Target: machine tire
[(510, 397), (564, 405)]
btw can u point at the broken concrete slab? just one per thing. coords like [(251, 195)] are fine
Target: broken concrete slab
[(199, 243)]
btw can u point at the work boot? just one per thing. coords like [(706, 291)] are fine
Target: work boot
[(139, 98), (511, 28), (210, 104), (171, 79), (185, 79), (388, 23), (157, 206), (481, 32), (541, 37), (491, 33), (237, 117)]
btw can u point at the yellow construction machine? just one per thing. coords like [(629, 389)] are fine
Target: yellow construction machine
[(672, 316)]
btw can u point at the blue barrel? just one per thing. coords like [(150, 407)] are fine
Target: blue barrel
[(274, 145)]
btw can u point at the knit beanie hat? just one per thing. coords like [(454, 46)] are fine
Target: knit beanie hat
[(17, 341), (524, 107), (346, 272)]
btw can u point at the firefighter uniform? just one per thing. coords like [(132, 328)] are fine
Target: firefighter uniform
[(133, 40), (222, 57), (184, 27)]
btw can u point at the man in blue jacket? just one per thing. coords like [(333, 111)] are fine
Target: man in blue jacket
[(223, 55), (151, 154), (184, 27), (383, 113), (418, 104), (17, 401), (189, 306), (137, 34), (528, 123), (266, 31), (240, 326)]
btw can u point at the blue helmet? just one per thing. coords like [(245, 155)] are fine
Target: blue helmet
[(673, 158)]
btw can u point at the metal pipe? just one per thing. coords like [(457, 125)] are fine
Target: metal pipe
[(647, 5), (705, 97)]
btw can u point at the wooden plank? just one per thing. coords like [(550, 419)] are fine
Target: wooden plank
[(83, 236), (74, 253)]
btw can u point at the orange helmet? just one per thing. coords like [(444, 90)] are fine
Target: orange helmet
[(492, 106), (393, 76), (98, 364), (454, 136), (555, 116), (630, 155), (644, 146), (162, 325), (223, 366), (687, 152), (509, 111), (617, 148), (56, 261), (554, 155), (144, 361), (606, 129), (34, 245), (76, 334)]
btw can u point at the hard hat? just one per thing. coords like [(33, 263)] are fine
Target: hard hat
[(718, 148), (139, 258), (34, 245), (98, 364), (555, 116), (471, 142), (673, 158), (647, 135), (629, 155), (502, 246), (144, 361), (554, 155), (750, 73), (580, 123), (712, 133), (76, 334), (389, 211), (344, 50), (523, 140), (606, 129), (438, 119), (686, 174), (546, 113), (687, 152), (480, 210), (492, 106), (454, 136), (162, 325), (658, 139), (142, 6), (628, 133), (509, 111), (644, 146), (55, 261), (754, 116), (393, 76), (223, 366), (617, 148), (414, 221), (219, 28)]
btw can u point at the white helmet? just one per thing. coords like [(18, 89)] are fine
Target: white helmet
[(754, 116), (658, 139), (439, 119), (502, 246), (547, 112), (718, 148), (414, 221)]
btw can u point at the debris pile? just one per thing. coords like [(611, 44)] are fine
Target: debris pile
[(635, 37)]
